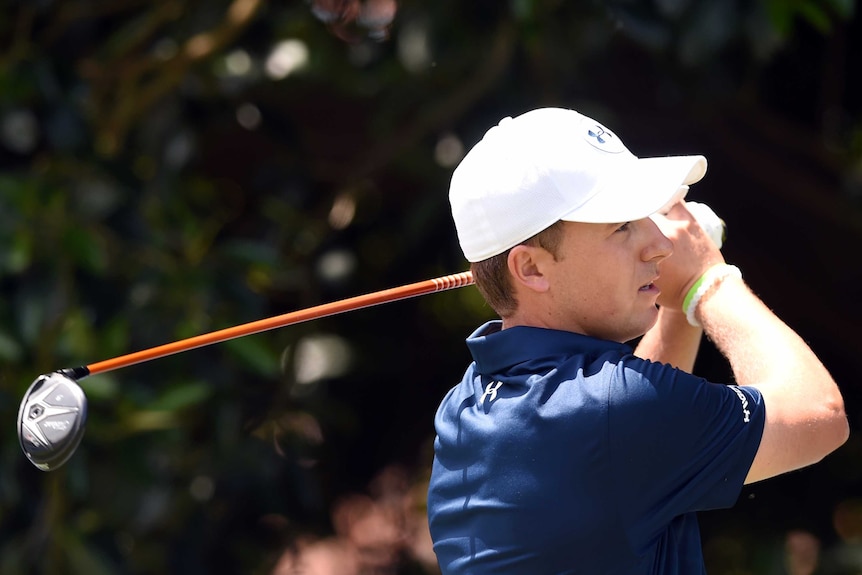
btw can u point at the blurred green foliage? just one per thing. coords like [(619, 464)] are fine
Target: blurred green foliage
[(174, 168)]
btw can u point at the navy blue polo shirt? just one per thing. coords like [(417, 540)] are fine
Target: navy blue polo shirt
[(560, 453)]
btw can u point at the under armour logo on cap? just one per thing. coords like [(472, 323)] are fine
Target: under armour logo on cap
[(601, 138)]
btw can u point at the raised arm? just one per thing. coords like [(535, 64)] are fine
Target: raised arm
[(671, 340), (805, 419)]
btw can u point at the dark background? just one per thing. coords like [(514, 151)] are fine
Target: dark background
[(159, 182)]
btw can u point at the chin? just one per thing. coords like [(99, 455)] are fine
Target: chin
[(644, 326), (640, 322)]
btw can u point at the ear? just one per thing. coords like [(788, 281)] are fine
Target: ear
[(526, 265)]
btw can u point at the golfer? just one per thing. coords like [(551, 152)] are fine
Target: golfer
[(565, 450)]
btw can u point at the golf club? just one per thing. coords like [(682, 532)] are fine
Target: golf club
[(53, 412)]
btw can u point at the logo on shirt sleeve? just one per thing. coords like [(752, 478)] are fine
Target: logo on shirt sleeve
[(746, 414)]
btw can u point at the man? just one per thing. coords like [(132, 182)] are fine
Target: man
[(563, 450)]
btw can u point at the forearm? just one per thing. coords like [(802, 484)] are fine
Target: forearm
[(760, 347), (804, 407), (671, 340)]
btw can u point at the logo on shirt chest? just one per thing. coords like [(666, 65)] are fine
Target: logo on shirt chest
[(490, 392)]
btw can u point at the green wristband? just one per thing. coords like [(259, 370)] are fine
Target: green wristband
[(688, 297), (714, 275)]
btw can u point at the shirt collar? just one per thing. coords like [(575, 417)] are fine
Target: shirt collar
[(495, 349)]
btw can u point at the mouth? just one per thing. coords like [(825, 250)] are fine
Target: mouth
[(650, 287)]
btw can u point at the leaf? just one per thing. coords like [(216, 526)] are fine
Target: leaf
[(180, 396), (102, 386), (84, 558), (844, 8), (86, 248), (17, 254), (816, 16), (10, 349), (254, 354)]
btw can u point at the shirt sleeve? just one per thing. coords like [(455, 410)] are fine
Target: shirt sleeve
[(678, 443)]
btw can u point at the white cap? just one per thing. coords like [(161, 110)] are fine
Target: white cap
[(554, 164)]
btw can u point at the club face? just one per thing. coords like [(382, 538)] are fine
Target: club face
[(51, 420)]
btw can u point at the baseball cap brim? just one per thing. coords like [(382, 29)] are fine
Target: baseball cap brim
[(641, 188)]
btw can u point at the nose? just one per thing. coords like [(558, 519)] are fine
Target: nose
[(658, 246)]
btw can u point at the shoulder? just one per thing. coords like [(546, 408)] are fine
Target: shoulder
[(643, 394), (642, 378)]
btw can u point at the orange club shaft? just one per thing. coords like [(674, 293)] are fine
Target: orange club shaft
[(442, 283)]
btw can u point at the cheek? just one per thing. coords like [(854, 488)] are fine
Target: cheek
[(597, 294), (607, 293), (592, 278)]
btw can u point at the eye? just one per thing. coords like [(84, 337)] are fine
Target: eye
[(624, 227)]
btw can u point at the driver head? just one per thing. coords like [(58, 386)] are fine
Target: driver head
[(51, 420)]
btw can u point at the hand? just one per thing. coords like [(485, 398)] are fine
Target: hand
[(693, 254)]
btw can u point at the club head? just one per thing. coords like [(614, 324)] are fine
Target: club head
[(51, 420)]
